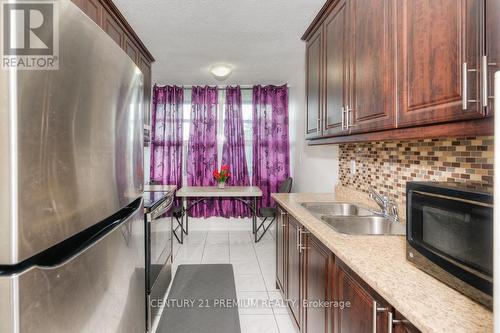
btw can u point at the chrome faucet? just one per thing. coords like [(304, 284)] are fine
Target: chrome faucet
[(389, 207)]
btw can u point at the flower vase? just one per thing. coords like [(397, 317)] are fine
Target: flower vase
[(221, 185)]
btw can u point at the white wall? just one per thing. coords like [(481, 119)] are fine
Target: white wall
[(314, 169)]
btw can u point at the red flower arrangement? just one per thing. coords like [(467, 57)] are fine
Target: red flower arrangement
[(223, 175)]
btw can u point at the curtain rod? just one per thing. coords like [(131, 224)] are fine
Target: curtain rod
[(221, 87), (190, 86)]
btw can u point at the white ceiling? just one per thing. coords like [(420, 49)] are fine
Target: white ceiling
[(260, 39)]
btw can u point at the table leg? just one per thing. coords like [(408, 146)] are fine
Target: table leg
[(254, 220), (187, 214)]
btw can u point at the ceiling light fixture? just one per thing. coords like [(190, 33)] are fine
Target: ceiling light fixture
[(221, 72)]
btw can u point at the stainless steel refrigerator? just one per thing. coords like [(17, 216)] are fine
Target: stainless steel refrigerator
[(71, 181)]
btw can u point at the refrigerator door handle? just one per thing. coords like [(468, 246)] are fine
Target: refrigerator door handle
[(104, 265), (64, 252)]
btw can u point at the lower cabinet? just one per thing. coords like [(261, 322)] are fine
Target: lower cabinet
[(294, 271), (324, 295), (366, 313), (317, 266), (281, 230)]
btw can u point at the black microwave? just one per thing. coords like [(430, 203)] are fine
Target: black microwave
[(450, 235)]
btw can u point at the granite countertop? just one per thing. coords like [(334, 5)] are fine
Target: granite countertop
[(381, 262)]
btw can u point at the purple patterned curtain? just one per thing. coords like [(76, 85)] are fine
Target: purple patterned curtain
[(271, 148), (202, 146), (166, 143), (233, 152)]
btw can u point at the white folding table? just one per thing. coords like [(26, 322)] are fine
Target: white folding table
[(245, 194)]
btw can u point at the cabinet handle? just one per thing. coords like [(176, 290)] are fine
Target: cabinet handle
[(319, 125), (484, 75), (282, 215), (465, 85), (350, 122), (391, 322), (375, 311), (343, 119), (301, 231), (298, 239)]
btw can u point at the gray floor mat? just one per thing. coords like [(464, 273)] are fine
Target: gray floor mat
[(202, 299)]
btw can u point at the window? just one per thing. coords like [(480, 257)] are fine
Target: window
[(246, 97)]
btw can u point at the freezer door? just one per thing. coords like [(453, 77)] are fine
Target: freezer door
[(70, 140), (101, 289)]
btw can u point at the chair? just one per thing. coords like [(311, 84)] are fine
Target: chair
[(272, 212)]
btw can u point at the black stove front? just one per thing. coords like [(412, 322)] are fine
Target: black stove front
[(158, 222)]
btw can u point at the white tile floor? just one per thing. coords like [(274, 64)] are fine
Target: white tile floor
[(254, 269)]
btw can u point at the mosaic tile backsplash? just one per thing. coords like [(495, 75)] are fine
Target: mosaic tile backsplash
[(387, 166)]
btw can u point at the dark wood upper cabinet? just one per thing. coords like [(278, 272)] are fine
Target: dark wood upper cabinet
[(281, 230), (113, 29), (492, 60), (145, 68), (372, 71), (105, 14), (131, 50), (314, 59), (94, 9), (439, 59), (317, 266), (294, 272), (395, 64), (364, 310), (336, 70)]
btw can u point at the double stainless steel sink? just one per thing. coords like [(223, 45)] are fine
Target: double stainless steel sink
[(354, 219)]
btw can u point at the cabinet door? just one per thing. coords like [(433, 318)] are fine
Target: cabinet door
[(80, 4), (92, 8), (314, 58), (113, 28), (492, 49), (281, 231), (336, 70), (364, 310), (372, 104), (145, 68), (294, 277), (438, 60), (317, 262), (131, 50)]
